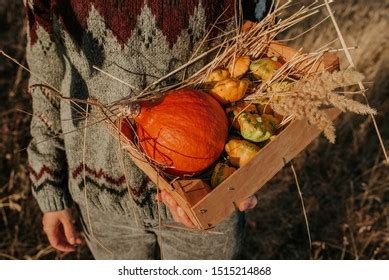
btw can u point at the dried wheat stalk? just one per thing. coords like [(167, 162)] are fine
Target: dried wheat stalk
[(306, 98)]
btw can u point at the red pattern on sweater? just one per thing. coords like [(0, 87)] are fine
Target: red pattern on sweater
[(98, 174), (37, 175), (120, 16), (40, 15)]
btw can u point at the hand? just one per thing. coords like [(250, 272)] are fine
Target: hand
[(60, 230), (177, 212), (180, 216), (248, 203)]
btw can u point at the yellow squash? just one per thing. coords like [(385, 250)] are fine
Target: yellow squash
[(230, 90), (221, 172), (255, 128), (236, 109), (240, 151), (218, 75), (264, 68), (239, 66)]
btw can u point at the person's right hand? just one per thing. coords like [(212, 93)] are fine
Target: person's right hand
[(60, 230)]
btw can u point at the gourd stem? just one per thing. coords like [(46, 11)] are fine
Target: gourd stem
[(132, 110)]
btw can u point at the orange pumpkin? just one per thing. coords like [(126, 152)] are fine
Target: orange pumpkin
[(126, 128), (185, 131)]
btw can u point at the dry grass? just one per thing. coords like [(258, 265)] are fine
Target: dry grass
[(306, 97), (345, 186)]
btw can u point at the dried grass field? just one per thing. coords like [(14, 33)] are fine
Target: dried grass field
[(345, 186)]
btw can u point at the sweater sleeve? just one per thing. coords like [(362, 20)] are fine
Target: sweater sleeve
[(46, 154)]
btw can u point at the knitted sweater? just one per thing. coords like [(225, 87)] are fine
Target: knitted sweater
[(137, 41)]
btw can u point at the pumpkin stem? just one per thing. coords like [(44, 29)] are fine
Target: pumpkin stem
[(132, 110)]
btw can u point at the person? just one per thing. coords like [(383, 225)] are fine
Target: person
[(137, 41)]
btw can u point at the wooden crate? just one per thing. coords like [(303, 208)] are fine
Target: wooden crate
[(205, 207)]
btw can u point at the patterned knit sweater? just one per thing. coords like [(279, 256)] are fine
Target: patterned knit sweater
[(137, 41)]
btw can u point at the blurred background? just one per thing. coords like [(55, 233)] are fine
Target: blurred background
[(345, 186)]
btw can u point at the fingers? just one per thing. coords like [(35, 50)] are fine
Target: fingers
[(184, 219), (171, 204), (57, 238), (177, 212), (248, 203), (71, 234), (61, 231), (180, 216)]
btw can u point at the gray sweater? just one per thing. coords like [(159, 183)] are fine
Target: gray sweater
[(137, 41)]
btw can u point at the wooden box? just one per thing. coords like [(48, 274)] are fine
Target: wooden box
[(205, 207)]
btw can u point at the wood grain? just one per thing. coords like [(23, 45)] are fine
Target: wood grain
[(328, 61), (192, 190)]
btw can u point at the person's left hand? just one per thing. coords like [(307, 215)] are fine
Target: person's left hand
[(180, 216)]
